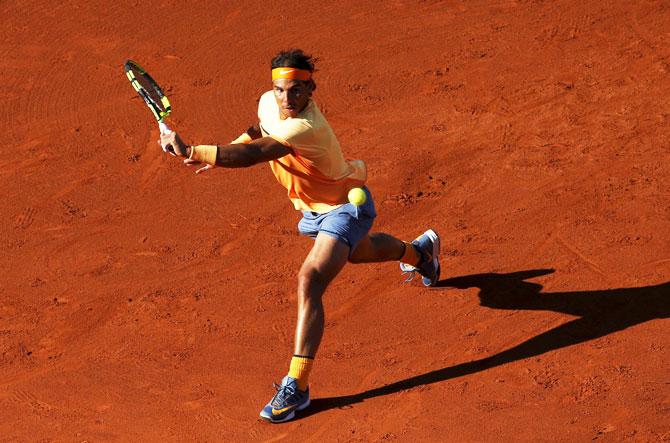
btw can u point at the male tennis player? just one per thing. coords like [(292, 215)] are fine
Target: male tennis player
[(305, 157)]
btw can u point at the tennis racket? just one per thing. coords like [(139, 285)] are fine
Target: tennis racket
[(152, 94)]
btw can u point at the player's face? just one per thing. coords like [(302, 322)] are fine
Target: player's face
[(292, 96)]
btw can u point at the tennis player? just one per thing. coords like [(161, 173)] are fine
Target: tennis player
[(293, 136)]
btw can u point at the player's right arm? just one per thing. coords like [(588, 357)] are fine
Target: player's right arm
[(259, 150), (256, 149)]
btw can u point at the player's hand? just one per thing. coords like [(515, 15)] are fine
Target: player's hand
[(173, 142), (190, 162)]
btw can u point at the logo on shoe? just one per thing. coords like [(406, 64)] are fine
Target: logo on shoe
[(282, 410)]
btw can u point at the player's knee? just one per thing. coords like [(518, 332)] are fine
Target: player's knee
[(310, 278)]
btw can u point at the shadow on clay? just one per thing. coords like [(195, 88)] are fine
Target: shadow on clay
[(600, 313)]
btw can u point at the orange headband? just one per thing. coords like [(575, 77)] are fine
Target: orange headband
[(291, 73)]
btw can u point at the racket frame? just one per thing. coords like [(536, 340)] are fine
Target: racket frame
[(159, 114)]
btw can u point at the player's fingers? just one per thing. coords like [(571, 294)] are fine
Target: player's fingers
[(203, 169)]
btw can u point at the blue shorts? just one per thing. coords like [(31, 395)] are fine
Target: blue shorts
[(348, 223)]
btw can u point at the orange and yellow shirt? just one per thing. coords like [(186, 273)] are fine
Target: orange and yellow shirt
[(315, 174)]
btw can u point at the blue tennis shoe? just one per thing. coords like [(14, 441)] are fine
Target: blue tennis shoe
[(428, 245), (286, 401)]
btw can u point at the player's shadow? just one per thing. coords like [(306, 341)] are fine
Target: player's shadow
[(599, 313)]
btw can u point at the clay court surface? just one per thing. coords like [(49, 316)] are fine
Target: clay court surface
[(140, 302)]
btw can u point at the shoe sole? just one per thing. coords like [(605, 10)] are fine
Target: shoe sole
[(290, 416), (436, 257)]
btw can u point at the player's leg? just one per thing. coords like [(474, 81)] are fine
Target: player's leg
[(326, 259), (378, 247), (421, 255)]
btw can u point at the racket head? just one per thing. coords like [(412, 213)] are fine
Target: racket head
[(148, 89)]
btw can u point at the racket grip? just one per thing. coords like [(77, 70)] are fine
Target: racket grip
[(165, 129)]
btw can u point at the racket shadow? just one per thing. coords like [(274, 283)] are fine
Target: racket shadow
[(599, 312)]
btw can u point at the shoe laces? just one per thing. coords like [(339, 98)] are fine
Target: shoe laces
[(409, 274), (284, 392)]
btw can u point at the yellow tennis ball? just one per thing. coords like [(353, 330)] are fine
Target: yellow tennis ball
[(357, 196)]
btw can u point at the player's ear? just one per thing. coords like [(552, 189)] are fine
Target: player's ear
[(312, 86)]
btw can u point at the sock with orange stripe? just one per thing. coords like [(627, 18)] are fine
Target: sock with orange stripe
[(300, 368)]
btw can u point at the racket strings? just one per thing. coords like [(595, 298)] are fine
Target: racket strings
[(149, 90), (152, 95)]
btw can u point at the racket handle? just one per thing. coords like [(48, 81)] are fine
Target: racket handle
[(165, 130)]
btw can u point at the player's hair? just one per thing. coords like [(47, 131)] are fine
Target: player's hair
[(293, 58)]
